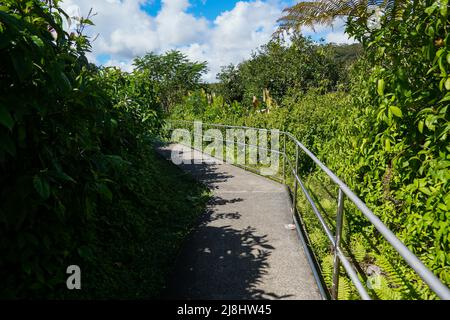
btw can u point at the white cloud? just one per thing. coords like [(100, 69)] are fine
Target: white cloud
[(339, 38), (175, 27), (125, 65), (235, 34), (126, 30)]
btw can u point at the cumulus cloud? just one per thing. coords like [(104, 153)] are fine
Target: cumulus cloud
[(337, 34), (339, 38), (125, 30), (235, 34), (176, 27)]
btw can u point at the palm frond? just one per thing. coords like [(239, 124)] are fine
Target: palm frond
[(325, 12)]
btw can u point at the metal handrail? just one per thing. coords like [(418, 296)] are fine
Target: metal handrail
[(415, 263)]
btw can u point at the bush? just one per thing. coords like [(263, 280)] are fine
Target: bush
[(79, 181)]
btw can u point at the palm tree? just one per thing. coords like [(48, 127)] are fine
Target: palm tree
[(324, 12)]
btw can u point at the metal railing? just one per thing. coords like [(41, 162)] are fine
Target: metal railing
[(415, 263)]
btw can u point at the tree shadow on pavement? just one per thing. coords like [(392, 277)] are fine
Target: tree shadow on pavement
[(218, 261), (222, 263)]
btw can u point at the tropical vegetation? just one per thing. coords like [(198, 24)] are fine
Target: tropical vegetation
[(82, 184), (379, 119), (80, 181)]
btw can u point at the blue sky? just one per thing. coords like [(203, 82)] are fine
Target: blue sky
[(219, 32), (209, 9)]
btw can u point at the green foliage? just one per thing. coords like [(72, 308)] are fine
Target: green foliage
[(230, 85), (281, 67), (404, 156), (358, 248), (387, 139), (174, 74), (139, 235), (389, 285), (74, 143), (79, 184), (325, 12), (399, 159), (345, 288)]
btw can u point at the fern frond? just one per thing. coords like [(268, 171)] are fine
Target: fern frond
[(358, 249), (320, 242), (325, 12), (395, 279), (383, 290), (344, 289), (327, 270)]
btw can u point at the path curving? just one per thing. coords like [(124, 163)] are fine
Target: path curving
[(241, 248)]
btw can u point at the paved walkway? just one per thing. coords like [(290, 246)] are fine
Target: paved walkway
[(241, 248)]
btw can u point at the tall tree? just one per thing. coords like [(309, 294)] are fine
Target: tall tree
[(174, 74)]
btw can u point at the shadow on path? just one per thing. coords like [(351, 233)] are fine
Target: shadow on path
[(222, 263), (240, 249)]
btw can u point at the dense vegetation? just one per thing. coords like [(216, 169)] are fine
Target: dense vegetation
[(281, 67), (380, 121), (80, 182)]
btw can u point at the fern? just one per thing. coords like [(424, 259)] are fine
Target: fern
[(345, 288), (327, 270), (358, 249), (319, 242), (390, 270), (383, 290), (391, 285)]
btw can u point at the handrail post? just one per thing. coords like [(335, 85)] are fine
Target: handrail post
[(336, 262), (284, 157), (295, 179)]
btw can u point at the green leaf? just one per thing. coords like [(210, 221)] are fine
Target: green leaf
[(444, 8), (421, 124), (104, 191), (445, 99), (5, 118), (63, 176), (22, 64), (381, 87), (396, 111), (42, 187), (66, 85), (38, 41), (430, 9), (425, 190), (442, 66), (87, 22), (447, 84)]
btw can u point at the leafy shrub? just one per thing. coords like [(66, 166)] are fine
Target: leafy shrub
[(79, 182)]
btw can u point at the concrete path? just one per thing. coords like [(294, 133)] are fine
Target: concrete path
[(241, 248)]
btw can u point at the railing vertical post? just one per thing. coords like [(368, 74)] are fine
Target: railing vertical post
[(295, 178), (245, 151), (336, 262), (284, 158)]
